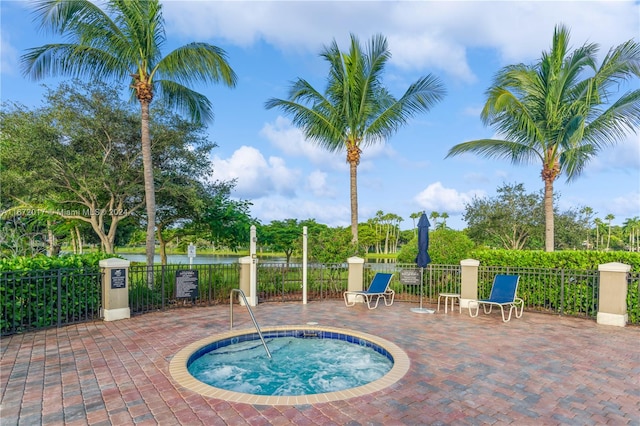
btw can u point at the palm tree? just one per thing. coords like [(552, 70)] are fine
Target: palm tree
[(434, 217), (355, 110), (123, 43), (554, 113), (444, 217), (609, 218), (588, 213), (598, 223), (415, 216), (632, 226)]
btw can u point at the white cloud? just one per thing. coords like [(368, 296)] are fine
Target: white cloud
[(422, 35), (423, 52), (625, 206), (256, 176), (8, 56), (291, 141), (317, 185), (625, 155), (436, 197), (279, 208)]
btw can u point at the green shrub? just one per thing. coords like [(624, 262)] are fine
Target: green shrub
[(446, 247), (568, 259), (30, 297)]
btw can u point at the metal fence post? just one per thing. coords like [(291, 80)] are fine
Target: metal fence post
[(59, 280)]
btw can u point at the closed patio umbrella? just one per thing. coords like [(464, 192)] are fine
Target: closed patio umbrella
[(423, 258)]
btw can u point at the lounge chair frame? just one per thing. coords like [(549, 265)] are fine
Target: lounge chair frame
[(503, 295), (378, 289)]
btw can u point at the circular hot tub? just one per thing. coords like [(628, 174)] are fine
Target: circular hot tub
[(362, 354)]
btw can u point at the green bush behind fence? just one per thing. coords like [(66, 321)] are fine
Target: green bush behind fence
[(44, 292)]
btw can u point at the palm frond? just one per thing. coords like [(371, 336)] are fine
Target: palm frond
[(573, 161), (517, 152), (197, 62), (188, 101), (72, 60), (616, 122)]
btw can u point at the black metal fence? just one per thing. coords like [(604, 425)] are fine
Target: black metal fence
[(278, 282), (554, 291), (154, 288), (32, 300)]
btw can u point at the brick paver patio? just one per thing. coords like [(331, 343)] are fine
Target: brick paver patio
[(537, 370)]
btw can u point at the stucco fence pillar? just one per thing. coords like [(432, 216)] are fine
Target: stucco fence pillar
[(468, 281), (115, 289), (612, 294), (247, 264), (355, 279)]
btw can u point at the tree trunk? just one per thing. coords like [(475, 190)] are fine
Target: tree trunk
[(149, 186), (548, 216), (51, 238), (79, 240), (353, 174), (72, 237), (163, 247)]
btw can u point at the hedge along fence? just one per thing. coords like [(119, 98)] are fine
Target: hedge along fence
[(32, 300), (567, 282), (42, 292)]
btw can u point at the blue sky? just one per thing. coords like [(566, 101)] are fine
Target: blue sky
[(270, 44)]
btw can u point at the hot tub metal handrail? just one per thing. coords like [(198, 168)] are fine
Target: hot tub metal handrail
[(255, 323)]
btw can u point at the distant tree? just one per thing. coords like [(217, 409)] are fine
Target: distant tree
[(226, 222), (444, 217), (355, 110), (560, 112), (569, 232), (434, 219), (632, 227), (368, 237), (332, 245), (89, 164), (609, 218), (87, 159), (413, 217), (123, 43), (587, 213), (282, 236), (598, 224), (446, 247), (507, 220)]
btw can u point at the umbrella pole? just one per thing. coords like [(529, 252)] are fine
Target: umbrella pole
[(421, 285), (422, 310)]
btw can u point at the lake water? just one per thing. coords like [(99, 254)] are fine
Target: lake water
[(183, 259)]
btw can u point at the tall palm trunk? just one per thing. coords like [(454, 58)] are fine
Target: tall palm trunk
[(353, 158), (548, 216), (149, 186), (353, 175)]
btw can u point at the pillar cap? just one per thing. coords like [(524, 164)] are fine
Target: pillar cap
[(114, 262), (355, 259), (614, 267), (469, 262)]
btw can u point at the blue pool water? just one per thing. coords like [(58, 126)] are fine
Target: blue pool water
[(301, 364)]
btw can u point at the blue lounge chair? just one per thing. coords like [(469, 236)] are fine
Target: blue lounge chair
[(503, 294), (379, 288)]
